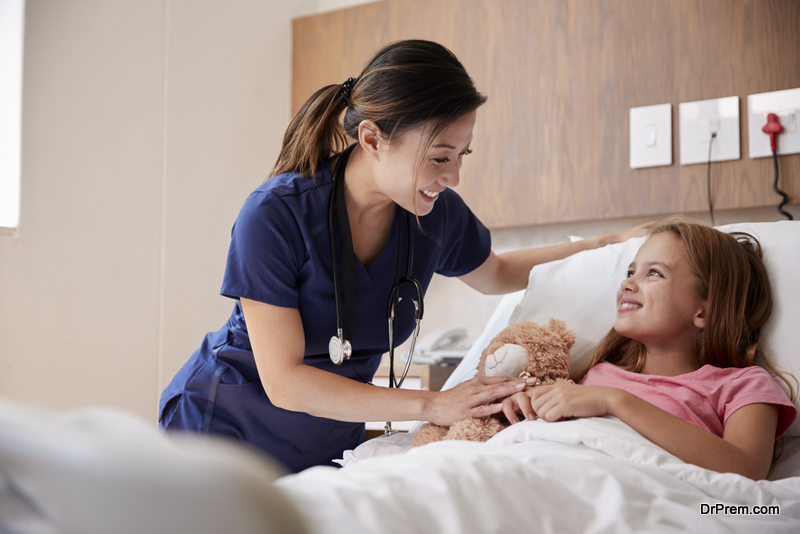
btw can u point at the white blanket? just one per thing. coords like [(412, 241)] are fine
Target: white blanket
[(586, 475)]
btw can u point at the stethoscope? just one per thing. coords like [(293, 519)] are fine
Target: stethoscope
[(339, 347)]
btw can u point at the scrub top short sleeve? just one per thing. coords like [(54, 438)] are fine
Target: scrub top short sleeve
[(266, 252)]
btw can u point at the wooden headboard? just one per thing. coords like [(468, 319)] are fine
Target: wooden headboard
[(551, 144)]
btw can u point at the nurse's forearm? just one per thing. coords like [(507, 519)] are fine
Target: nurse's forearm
[(278, 341), (323, 394), (508, 272), (340, 398), (516, 265)]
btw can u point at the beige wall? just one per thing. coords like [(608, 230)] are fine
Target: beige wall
[(145, 124)]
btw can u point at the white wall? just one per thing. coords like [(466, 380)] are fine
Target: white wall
[(145, 125)]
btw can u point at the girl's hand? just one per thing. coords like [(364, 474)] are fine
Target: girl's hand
[(472, 398), (560, 401), (563, 400), (518, 403)]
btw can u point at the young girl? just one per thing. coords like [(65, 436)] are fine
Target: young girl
[(679, 364)]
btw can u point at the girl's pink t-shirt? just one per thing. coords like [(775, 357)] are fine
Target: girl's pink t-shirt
[(706, 397)]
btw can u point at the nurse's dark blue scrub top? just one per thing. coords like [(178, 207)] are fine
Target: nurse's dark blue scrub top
[(280, 254)]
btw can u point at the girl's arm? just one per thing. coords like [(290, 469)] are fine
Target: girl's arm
[(745, 448), (507, 272), (276, 335)]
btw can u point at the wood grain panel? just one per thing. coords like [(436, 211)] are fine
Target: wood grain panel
[(551, 145)]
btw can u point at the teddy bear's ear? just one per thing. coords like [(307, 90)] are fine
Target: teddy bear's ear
[(506, 335), (493, 346), (559, 327)]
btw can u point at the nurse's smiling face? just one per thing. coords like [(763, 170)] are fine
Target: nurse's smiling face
[(414, 180)]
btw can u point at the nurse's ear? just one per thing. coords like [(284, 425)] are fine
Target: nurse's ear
[(371, 138)]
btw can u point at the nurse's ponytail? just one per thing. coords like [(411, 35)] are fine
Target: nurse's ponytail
[(405, 85), (314, 134)]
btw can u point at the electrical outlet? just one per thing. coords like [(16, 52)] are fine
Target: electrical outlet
[(699, 120), (651, 136), (786, 105)]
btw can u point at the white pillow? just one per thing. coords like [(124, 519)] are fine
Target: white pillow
[(581, 291), (781, 333)]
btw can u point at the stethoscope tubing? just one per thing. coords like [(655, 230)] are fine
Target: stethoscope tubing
[(337, 213)]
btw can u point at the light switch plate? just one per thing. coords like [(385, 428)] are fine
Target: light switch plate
[(651, 136), (699, 119), (786, 105)]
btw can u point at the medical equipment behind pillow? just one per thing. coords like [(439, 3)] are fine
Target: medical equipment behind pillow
[(444, 345)]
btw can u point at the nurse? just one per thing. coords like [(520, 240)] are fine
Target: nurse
[(266, 378)]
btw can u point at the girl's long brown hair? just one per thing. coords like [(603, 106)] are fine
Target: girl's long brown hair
[(405, 85), (732, 278)]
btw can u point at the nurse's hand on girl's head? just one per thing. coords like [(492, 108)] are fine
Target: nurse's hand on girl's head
[(636, 231), (472, 398), (620, 237)]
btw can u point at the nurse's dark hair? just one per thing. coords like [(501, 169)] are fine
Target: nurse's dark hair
[(733, 280), (403, 86)]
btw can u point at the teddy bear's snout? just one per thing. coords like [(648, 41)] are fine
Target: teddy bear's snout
[(508, 360)]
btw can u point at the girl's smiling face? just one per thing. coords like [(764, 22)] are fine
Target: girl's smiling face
[(414, 181), (658, 303)]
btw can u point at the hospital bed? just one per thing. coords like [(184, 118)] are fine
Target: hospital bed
[(105, 471)]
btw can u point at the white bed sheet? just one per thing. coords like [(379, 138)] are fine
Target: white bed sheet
[(586, 475)]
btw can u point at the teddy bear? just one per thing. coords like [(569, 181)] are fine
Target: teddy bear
[(525, 349)]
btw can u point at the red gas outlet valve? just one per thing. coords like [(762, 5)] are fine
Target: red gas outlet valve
[(772, 129)]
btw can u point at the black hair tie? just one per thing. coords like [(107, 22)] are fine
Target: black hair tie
[(347, 87)]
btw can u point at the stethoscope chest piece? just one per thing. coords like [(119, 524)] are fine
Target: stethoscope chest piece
[(339, 349)]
